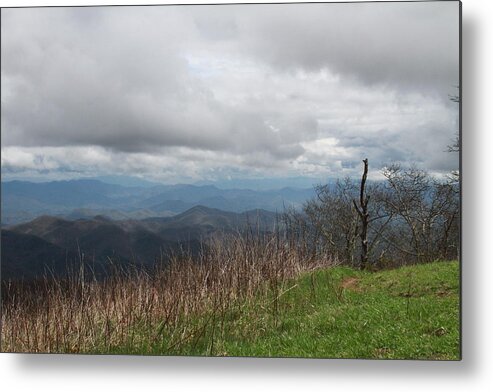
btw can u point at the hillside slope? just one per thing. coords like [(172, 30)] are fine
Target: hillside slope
[(407, 313), (49, 240)]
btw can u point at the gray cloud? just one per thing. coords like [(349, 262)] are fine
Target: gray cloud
[(412, 45), (193, 92)]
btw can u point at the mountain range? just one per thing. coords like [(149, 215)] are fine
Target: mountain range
[(55, 244), (23, 201), (49, 226)]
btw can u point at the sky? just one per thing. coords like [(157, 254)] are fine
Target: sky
[(211, 93)]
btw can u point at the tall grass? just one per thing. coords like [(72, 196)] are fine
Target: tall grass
[(173, 305)]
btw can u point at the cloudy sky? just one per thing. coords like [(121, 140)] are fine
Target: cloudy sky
[(188, 93)]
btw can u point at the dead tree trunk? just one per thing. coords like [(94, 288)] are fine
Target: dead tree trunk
[(362, 210)]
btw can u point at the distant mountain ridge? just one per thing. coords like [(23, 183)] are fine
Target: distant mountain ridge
[(267, 184), (23, 201)]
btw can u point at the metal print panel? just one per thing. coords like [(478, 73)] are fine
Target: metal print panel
[(264, 180)]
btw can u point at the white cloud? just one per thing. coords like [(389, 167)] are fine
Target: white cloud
[(180, 93)]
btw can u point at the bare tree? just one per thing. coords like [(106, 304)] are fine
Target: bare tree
[(455, 146), (337, 224), (454, 176), (331, 215), (445, 208), (362, 211), (425, 211), (409, 217)]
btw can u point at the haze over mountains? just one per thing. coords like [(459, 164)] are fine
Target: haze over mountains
[(51, 226), (23, 201), (54, 244)]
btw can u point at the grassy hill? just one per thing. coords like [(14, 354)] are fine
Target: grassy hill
[(242, 296), (407, 313)]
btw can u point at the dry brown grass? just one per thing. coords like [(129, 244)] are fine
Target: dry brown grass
[(138, 308)]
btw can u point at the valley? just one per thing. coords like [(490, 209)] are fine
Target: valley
[(107, 226)]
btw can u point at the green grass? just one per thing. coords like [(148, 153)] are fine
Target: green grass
[(406, 313)]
